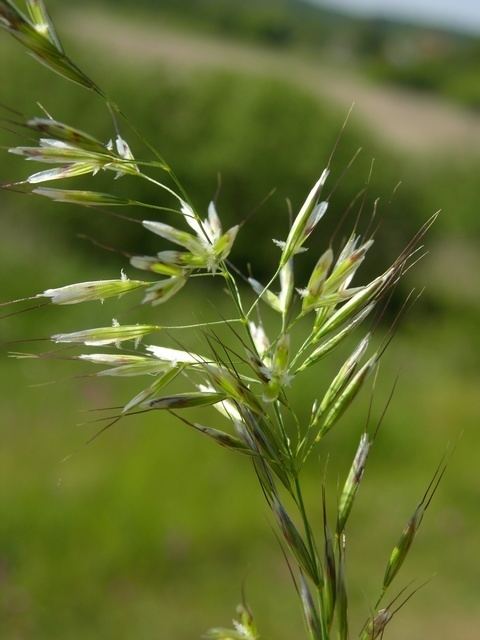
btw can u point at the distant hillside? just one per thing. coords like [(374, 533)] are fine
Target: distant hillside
[(420, 58)]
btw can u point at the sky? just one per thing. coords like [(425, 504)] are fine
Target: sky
[(464, 14)]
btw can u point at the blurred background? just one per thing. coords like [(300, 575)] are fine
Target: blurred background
[(151, 531)]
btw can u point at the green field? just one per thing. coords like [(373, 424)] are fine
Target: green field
[(150, 531)]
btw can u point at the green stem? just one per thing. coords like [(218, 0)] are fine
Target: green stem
[(308, 530), (161, 185), (283, 431), (201, 324), (265, 288)]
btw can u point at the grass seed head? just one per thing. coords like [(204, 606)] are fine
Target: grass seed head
[(91, 291), (344, 374), (244, 628), (233, 386), (354, 305), (346, 266), (37, 34), (277, 374), (222, 247), (319, 274), (347, 396), (163, 290), (106, 335), (42, 22), (328, 345), (60, 173), (113, 359), (144, 367), (160, 267), (260, 431), (306, 220), (86, 198), (161, 381), (224, 439), (375, 627), (286, 287), (56, 130), (77, 152), (185, 400), (352, 483), (401, 549)]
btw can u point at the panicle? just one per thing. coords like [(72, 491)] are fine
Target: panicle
[(258, 428)]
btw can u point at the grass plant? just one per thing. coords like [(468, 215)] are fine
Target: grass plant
[(247, 379)]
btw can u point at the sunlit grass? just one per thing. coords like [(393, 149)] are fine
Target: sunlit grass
[(147, 516)]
